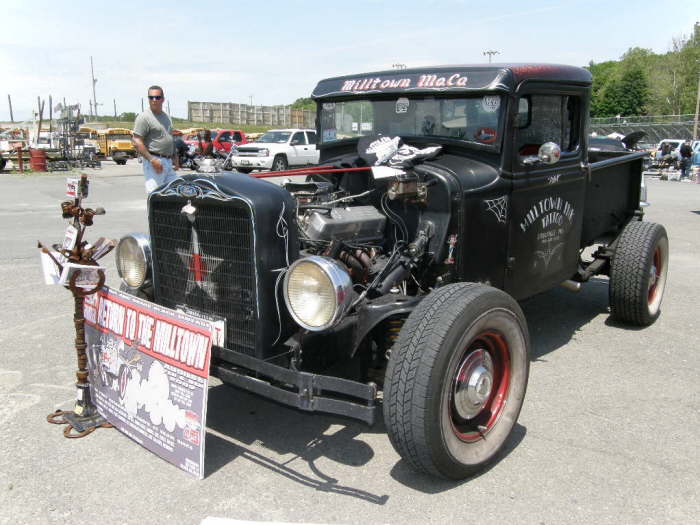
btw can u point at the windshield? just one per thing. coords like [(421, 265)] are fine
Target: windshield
[(275, 136), (473, 119), (119, 136)]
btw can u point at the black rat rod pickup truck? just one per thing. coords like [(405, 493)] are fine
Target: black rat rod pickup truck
[(386, 279)]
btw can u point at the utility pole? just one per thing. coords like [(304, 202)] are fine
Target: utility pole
[(490, 53), (9, 101), (39, 103), (141, 104), (697, 106), (168, 108), (115, 107), (94, 81), (51, 119), (90, 101)]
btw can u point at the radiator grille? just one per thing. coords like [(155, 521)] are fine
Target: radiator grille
[(221, 280)]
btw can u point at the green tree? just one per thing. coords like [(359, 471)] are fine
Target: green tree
[(645, 82), (128, 116), (602, 75), (304, 103)]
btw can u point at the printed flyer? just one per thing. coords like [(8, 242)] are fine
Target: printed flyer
[(149, 370)]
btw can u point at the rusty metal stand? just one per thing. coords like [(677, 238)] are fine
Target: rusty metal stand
[(84, 418)]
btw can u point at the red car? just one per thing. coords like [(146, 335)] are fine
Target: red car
[(222, 139)]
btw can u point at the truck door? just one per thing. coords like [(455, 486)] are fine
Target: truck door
[(300, 147), (313, 152), (546, 207)]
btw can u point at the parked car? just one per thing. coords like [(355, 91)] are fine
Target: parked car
[(674, 146), (222, 139), (225, 138), (278, 149), (695, 160), (399, 267)]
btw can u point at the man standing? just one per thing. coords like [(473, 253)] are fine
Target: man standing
[(686, 153), (154, 142)]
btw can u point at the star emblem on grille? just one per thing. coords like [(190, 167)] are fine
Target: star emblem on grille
[(199, 266)]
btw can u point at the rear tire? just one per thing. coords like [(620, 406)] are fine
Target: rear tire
[(124, 378), (244, 170), (279, 163), (638, 271), (456, 380)]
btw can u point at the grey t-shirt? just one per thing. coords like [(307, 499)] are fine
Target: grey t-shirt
[(155, 131)]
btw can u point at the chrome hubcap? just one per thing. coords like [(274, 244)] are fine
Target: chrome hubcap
[(652, 276), (473, 384)]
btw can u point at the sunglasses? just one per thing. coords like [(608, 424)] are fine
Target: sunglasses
[(155, 97)]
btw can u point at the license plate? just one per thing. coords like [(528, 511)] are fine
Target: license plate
[(245, 163)]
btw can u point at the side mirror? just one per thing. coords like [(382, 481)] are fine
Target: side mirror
[(549, 153)]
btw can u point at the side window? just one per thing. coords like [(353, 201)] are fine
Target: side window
[(547, 118), (237, 137), (298, 139), (225, 137), (311, 136)]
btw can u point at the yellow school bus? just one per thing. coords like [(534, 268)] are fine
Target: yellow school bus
[(116, 143), (89, 137)]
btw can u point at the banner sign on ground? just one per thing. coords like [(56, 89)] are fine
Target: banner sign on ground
[(149, 368)]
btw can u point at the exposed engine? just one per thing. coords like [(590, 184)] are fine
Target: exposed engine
[(376, 233)]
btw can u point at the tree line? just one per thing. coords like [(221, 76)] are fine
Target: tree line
[(646, 83)]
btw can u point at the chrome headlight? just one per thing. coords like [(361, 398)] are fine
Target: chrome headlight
[(318, 292), (263, 152), (134, 259)]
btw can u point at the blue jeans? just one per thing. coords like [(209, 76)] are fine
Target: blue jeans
[(153, 179)]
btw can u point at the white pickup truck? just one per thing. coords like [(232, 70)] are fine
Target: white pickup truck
[(278, 149)]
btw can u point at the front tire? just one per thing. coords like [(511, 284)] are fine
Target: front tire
[(638, 270), (456, 380), (279, 163), (124, 378)]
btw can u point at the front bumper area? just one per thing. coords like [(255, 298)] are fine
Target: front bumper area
[(256, 163), (302, 390)]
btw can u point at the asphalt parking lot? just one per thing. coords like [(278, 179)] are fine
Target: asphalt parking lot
[(608, 432)]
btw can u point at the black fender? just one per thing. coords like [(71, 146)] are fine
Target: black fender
[(374, 312)]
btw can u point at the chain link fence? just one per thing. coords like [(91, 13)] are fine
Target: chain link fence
[(656, 127)]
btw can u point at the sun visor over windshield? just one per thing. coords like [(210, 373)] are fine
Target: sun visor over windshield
[(439, 80)]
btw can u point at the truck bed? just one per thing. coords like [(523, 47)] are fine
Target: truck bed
[(612, 195)]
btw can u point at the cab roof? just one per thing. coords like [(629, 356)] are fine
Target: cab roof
[(450, 78)]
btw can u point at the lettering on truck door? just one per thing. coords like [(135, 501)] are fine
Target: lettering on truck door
[(547, 199)]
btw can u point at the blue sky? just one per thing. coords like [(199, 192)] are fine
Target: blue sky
[(277, 50)]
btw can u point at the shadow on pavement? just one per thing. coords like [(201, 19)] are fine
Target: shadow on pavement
[(244, 418), (554, 317)]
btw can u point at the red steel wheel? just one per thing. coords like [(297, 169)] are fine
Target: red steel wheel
[(480, 387)]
